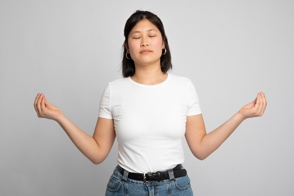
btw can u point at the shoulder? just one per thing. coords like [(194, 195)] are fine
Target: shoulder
[(180, 80), (117, 82), (118, 85)]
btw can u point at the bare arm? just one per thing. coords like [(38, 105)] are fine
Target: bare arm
[(95, 148), (211, 141), (202, 144), (84, 142)]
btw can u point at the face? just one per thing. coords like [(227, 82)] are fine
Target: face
[(145, 36)]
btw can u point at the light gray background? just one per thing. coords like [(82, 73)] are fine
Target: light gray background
[(69, 50)]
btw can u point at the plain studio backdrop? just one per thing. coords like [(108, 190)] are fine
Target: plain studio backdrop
[(69, 50)]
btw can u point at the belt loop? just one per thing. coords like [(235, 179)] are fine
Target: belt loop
[(125, 176), (171, 174)]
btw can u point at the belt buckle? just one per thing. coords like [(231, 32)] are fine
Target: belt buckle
[(154, 175), (144, 176)]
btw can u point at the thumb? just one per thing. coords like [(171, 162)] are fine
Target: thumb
[(251, 104), (255, 100), (46, 102)]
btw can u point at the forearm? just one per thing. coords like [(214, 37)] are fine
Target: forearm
[(211, 141), (84, 142)]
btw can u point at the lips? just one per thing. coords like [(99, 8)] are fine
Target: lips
[(145, 51)]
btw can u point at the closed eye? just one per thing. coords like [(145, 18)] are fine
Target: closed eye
[(140, 37)]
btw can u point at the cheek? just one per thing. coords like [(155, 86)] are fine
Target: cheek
[(157, 44), (134, 47)]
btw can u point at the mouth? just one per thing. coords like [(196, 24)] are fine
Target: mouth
[(145, 51)]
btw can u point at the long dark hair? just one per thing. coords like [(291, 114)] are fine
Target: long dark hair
[(128, 66)]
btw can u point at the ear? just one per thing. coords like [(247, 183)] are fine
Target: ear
[(163, 43), (126, 45)]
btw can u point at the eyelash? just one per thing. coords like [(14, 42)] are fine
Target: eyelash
[(149, 36)]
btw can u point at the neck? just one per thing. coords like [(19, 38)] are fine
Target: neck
[(149, 77)]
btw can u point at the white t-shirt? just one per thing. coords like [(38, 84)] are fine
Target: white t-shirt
[(150, 121)]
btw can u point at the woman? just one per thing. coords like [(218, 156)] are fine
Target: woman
[(149, 111)]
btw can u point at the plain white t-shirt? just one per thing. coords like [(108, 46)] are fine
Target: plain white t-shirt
[(149, 121)]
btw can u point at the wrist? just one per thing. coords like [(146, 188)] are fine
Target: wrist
[(241, 116), (59, 117)]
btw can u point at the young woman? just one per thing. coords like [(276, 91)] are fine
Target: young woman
[(149, 111)]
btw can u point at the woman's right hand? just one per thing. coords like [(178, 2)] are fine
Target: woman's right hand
[(45, 109)]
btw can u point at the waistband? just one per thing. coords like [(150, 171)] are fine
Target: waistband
[(155, 176)]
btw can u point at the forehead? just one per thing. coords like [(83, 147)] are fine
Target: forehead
[(144, 25)]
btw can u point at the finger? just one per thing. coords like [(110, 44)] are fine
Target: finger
[(261, 104), (39, 105), (255, 100), (35, 104), (256, 107), (45, 101), (264, 103), (45, 104), (42, 104), (265, 100), (36, 98)]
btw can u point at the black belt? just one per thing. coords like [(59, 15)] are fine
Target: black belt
[(155, 176)]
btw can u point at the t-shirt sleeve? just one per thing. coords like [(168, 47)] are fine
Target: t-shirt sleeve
[(105, 104), (194, 105)]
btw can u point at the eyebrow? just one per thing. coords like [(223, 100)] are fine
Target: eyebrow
[(139, 31)]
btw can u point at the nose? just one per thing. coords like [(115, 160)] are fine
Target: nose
[(144, 44)]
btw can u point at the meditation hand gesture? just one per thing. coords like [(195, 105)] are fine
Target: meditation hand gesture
[(255, 108), (45, 109)]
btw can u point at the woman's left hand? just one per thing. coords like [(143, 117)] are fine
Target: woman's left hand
[(255, 108)]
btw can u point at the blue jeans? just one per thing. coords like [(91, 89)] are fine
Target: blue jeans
[(121, 185)]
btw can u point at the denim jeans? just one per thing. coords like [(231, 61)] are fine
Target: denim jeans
[(121, 185)]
